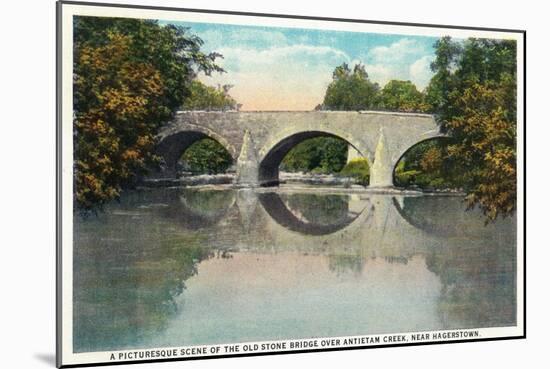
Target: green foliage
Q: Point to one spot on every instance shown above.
(355, 91)
(406, 178)
(424, 166)
(459, 66)
(474, 95)
(357, 169)
(446, 52)
(402, 96)
(204, 97)
(318, 155)
(206, 156)
(130, 76)
(351, 90)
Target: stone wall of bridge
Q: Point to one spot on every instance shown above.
(258, 141)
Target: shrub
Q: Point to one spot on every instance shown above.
(358, 169)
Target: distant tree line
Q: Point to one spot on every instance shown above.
(353, 90)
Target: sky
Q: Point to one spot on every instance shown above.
(275, 68)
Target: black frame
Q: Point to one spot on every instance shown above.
(59, 45)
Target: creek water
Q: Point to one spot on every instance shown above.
(208, 265)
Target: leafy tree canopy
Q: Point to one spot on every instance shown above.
(473, 93)
(319, 155)
(351, 90)
(203, 97)
(130, 76)
(402, 96)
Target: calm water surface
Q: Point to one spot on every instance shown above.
(174, 267)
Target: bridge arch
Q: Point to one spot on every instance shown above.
(408, 149)
(172, 145)
(274, 151)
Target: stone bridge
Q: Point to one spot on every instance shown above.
(258, 141)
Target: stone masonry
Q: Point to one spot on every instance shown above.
(259, 140)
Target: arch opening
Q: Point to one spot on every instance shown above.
(205, 156)
(310, 154)
(426, 166)
(193, 153)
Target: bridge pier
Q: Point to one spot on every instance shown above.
(353, 154)
(381, 171)
(247, 163)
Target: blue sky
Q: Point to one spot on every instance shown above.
(275, 68)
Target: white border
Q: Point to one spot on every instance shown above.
(66, 133)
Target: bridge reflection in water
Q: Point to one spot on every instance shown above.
(170, 267)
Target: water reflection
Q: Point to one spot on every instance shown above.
(198, 209)
(170, 267)
(341, 264)
(309, 214)
(478, 285)
(125, 286)
(437, 215)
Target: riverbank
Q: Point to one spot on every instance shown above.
(301, 182)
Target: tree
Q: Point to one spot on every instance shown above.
(351, 90)
(485, 146)
(320, 154)
(203, 97)
(424, 166)
(402, 96)
(474, 95)
(206, 156)
(130, 76)
(442, 83)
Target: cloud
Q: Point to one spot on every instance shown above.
(217, 38)
(291, 77)
(405, 59)
(396, 53)
(420, 71)
(270, 73)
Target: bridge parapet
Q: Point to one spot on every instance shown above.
(381, 137)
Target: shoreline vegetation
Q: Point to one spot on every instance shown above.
(131, 76)
(294, 181)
